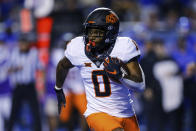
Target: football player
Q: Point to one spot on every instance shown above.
(109, 68)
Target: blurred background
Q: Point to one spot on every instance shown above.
(33, 36)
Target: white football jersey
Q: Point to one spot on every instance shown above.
(103, 95)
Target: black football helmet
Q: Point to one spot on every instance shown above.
(104, 19)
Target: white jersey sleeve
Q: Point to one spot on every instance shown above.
(125, 49)
(74, 50)
(68, 52)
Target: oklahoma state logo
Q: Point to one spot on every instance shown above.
(111, 18)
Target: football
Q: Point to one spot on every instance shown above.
(123, 68)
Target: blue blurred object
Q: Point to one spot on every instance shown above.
(2, 36)
(25, 119)
(183, 25)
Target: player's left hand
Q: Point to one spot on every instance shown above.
(61, 99)
(112, 67)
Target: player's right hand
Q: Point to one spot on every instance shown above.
(112, 67)
(61, 99)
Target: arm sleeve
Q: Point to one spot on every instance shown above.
(69, 52)
(131, 50)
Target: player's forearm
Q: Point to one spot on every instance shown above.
(135, 80)
(134, 77)
(61, 71)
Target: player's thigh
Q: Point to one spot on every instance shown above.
(66, 111)
(131, 124)
(80, 102)
(103, 122)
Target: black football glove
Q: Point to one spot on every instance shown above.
(61, 99)
(112, 67)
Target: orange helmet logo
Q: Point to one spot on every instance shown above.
(91, 22)
(111, 18)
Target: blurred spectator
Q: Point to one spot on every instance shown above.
(23, 65)
(5, 91)
(176, 5)
(35, 16)
(190, 91)
(171, 19)
(5, 8)
(183, 27)
(150, 17)
(167, 72)
(40, 8)
(10, 35)
(184, 48)
(182, 54)
(127, 10)
(152, 97)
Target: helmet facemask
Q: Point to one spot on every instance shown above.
(97, 37)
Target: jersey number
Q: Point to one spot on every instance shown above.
(106, 81)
